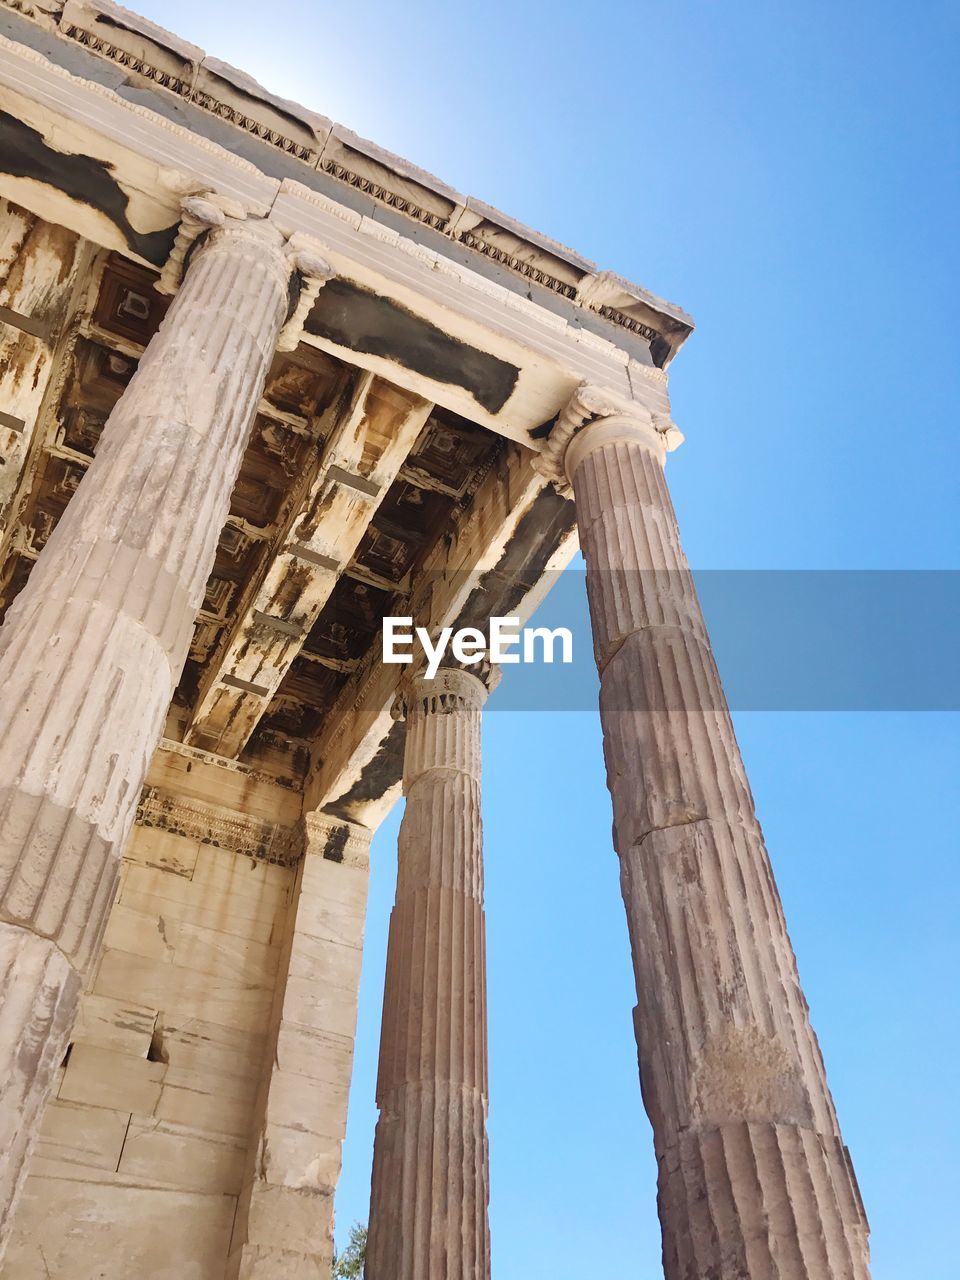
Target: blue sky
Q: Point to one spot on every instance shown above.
(788, 174)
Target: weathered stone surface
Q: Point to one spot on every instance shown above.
(294, 1153)
(106, 1078)
(428, 1204)
(195, 995)
(153, 1099)
(38, 995)
(163, 851)
(369, 442)
(266, 1264)
(83, 1135)
(754, 1179)
(176, 1155)
(93, 646)
(97, 1232)
(115, 1024)
(38, 265)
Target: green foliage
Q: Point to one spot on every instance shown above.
(349, 1264)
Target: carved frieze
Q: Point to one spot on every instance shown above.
(222, 828)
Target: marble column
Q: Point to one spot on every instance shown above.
(93, 646)
(754, 1180)
(428, 1207)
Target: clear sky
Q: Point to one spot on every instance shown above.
(788, 174)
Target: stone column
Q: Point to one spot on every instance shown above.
(754, 1179)
(428, 1205)
(92, 648)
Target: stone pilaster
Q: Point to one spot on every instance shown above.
(428, 1209)
(92, 648)
(754, 1180)
(284, 1224)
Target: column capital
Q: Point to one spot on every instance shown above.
(313, 271)
(594, 417)
(208, 213)
(199, 213)
(452, 687)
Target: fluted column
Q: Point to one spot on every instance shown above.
(428, 1207)
(92, 649)
(754, 1180)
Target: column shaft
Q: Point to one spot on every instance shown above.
(754, 1179)
(428, 1210)
(93, 647)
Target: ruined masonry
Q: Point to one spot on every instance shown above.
(263, 383)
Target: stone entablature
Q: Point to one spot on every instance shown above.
(220, 827)
(161, 61)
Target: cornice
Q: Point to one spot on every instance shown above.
(24, 53)
(107, 50)
(390, 198)
(527, 269)
(185, 87)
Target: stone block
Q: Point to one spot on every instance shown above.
(291, 1157)
(77, 1134)
(209, 1079)
(221, 871)
(330, 919)
(162, 851)
(234, 95)
(165, 57)
(115, 1024)
(335, 882)
(149, 934)
(197, 995)
(299, 1218)
(219, 896)
(315, 1053)
(174, 1154)
(311, 1004)
(191, 1044)
(326, 961)
(107, 1078)
(297, 1102)
(204, 1098)
(265, 926)
(263, 1263)
(226, 955)
(96, 1231)
(186, 774)
(210, 1112)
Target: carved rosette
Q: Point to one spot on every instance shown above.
(428, 1213)
(754, 1178)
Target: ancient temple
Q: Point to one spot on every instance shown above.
(263, 384)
